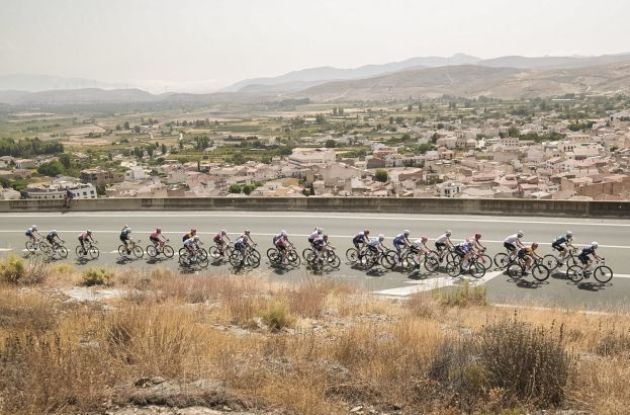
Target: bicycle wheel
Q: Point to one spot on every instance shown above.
(151, 251)
(453, 269)
(305, 253)
(94, 252)
(45, 248)
(603, 274)
(214, 252)
(79, 251)
(274, 257)
(431, 263)
(62, 251)
(551, 262)
(122, 251)
(477, 270)
(485, 261)
(253, 259)
(412, 260)
(184, 259)
(168, 251)
(333, 260)
(540, 272)
(352, 255)
(389, 259)
(254, 253)
(138, 251)
(575, 273)
(236, 259)
(294, 258)
(515, 271)
(501, 260)
(181, 251)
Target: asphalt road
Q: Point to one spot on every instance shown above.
(611, 234)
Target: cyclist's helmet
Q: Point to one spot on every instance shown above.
(158, 230)
(381, 237)
(283, 233)
(477, 236)
(325, 237)
(193, 231)
(594, 245)
(448, 232)
(569, 234)
(424, 239)
(196, 238)
(534, 245)
(366, 232)
(34, 227)
(246, 232)
(319, 231)
(53, 231)
(406, 232)
(89, 232)
(520, 234)
(223, 232)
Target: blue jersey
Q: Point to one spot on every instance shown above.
(51, 235)
(464, 246)
(560, 240)
(400, 239)
(359, 238)
(587, 251)
(30, 231)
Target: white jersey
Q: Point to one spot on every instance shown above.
(442, 239)
(512, 239)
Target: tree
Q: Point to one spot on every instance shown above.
(320, 119)
(247, 189)
(381, 176)
(330, 143)
(164, 149)
(136, 129)
(52, 169)
(234, 188)
(126, 125)
(238, 159)
(65, 160)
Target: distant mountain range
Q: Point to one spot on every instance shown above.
(459, 75)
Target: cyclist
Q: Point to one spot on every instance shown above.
(476, 243)
(243, 242)
(420, 245)
(54, 239)
(527, 254)
(189, 235)
(32, 233)
(85, 237)
(281, 242)
(192, 244)
(444, 241)
(561, 243)
(513, 243)
(586, 253)
(361, 239)
(401, 241)
(220, 240)
(315, 234)
(157, 238)
(464, 250)
(125, 237)
(375, 245)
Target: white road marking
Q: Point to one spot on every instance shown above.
(407, 218)
(6, 249)
(433, 284)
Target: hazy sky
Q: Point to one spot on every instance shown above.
(216, 42)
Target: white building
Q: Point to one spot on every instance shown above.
(79, 191)
(449, 189)
(135, 173)
(312, 155)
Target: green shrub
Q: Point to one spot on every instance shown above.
(12, 270)
(96, 276)
(462, 296)
(276, 316)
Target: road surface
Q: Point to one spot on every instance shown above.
(611, 234)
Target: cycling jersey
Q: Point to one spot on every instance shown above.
(512, 239)
(187, 236)
(218, 238)
(84, 236)
(319, 243)
(189, 243)
(374, 243)
(155, 236)
(124, 233)
(52, 235)
(359, 238)
(463, 248)
(312, 236)
(441, 239)
(527, 251)
(400, 239)
(30, 232)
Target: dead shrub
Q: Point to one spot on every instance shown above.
(421, 305)
(275, 314)
(96, 276)
(463, 295)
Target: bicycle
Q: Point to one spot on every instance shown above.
(371, 257)
(201, 250)
(475, 268)
(161, 248)
(602, 273)
(326, 257)
(35, 246)
(429, 259)
(58, 249)
(249, 257)
(222, 253)
(132, 248)
(90, 250)
(518, 269)
(553, 262)
(198, 257)
(289, 258)
(353, 254)
(503, 260)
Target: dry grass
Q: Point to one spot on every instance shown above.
(310, 348)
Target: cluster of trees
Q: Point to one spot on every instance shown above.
(28, 147)
(243, 188)
(64, 165)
